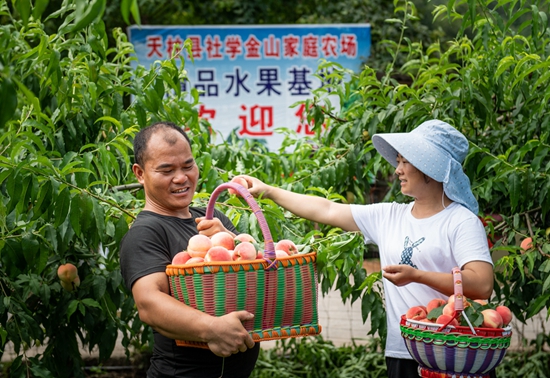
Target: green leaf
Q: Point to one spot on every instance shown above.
(62, 206)
(9, 101)
(125, 10)
(99, 286)
(85, 14)
(127, 7)
(44, 199)
(72, 308)
(39, 8)
(135, 11)
(75, 215)
(31, 248)
(24, 9)
(24, 194)
(121, 228)
(31, 98)
(89, 302)
(514, 188)
(99, 216)
(86, 211)
(537, 306)
(3, 334)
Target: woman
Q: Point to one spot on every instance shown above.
(419, 242)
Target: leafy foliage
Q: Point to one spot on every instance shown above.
(315, 357)
(71, 104)
(66, 133)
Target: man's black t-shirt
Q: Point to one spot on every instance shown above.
(149, 247)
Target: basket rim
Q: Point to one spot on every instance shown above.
(459, 329)
(238, 263)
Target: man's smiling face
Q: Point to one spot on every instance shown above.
(169, 174)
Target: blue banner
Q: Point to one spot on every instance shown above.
(250, 75)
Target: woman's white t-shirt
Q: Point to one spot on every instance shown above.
(450, 238)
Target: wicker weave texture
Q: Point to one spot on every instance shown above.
(286, 296)
(281, 293)
(456, 350)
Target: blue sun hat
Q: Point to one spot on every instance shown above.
(438, 150)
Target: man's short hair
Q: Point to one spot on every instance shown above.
(143, 136)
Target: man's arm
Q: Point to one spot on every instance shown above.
(225, 335)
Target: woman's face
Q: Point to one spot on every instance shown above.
(412, 180)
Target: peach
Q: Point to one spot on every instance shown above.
(465, 301)
(223, 239)
(244, 238)
(447, 319)
(260, 255)
(71, 286)
(481, 301)
(449, 309)
(181, 258)
(238, 180)
(435, 303)
(415, 313)
(217, 253)
(67, 272)
(505, 314)
(526, 244)
(245, 251)
(287, 245)
(195, 260)
(491, 319)
(198, 245)
(280, 253)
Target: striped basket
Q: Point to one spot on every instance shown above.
(445, 351)
(281, 293)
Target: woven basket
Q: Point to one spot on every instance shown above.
(281, 293)
(445, 351)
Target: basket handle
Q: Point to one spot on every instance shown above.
(459, 300)
(269, 252)
(459, 293)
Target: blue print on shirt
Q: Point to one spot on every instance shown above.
(406, 255)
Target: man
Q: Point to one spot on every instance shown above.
(164, 165)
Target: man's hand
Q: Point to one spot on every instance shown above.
(210, 227)
(227, 335)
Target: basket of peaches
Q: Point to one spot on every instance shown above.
(274, 280)
(457, 337)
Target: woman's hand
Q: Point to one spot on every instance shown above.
(256, 187)
(400, 275)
